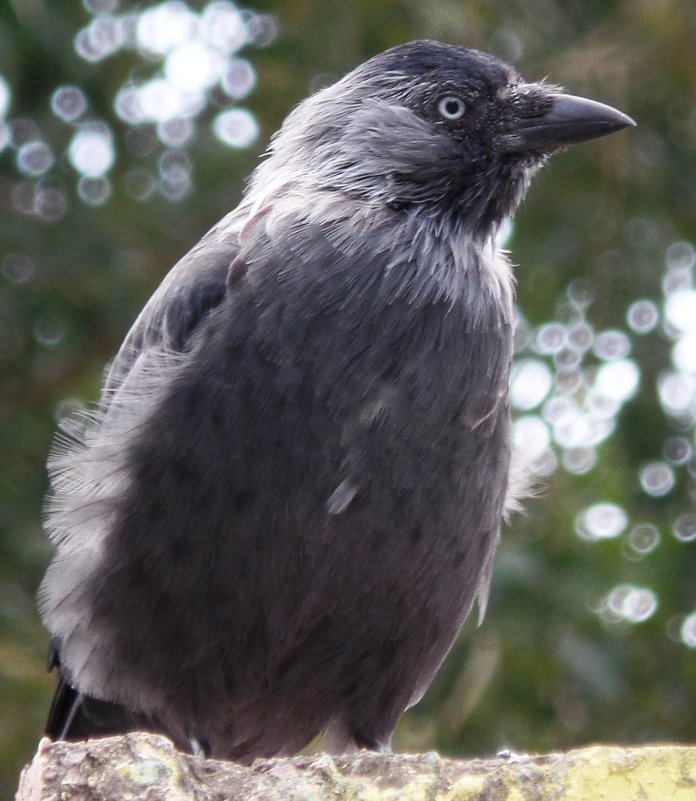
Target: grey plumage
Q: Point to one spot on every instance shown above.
(290, 495)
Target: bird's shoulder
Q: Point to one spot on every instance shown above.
(194, 287)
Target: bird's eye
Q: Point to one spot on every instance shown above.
(451, 107)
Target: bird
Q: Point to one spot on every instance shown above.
(288, 498)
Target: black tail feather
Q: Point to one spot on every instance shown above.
(75, 716)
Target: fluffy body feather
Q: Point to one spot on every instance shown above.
(290, 496)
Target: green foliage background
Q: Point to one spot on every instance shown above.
(544, 671)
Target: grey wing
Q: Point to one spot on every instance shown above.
(85, 463)
(88, 462)
(192, 289)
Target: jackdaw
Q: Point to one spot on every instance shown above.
(289, 497)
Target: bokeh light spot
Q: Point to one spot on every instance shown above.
(23, 130)
(175, 132)
(688, 630)
(238, 79)
(680, 309)
(618, 380)
(68, 103)
(91, 150)
(51, 202)
(49, 330)
(580, 336)
(18, 267)
(35, 158)
(601, 521)
(531, 435)
(677, 450)
(165, 26)
(579, 460)
(194, 66)
(657, 479)
(644, 538)
(140, 184)
(175, 174)
(94, 191)
(684, 353)
(676, 391)
(642, 316)
(684, 528)
(100, 39)
(223, 26)
(531, 383)
(630, 603)
(612, 344)
(550, 338)
(681, 256)
(236, 127)
(567, 359)
(5, 97)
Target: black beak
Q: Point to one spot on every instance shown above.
(569, 120)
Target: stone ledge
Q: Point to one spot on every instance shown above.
(145, 766)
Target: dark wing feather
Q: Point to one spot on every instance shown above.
(192, 289)
(75, 716)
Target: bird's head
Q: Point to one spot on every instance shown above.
(432, 125)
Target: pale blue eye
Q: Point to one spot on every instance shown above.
(451, 107)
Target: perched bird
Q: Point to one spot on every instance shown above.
(290, 495)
